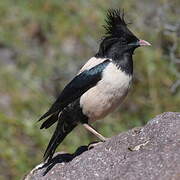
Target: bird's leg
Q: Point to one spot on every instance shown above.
(92, 130)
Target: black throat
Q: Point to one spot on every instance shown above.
(125, 63)
(119, 52)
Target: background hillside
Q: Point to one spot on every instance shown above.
(43, 43)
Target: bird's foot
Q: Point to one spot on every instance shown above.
(93, 144)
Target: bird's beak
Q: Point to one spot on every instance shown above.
(144, 43)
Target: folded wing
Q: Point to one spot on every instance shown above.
(78, 86)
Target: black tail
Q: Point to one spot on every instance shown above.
(62, 130)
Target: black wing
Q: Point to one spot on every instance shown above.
(78, 86)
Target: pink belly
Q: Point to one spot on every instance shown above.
(96, 105)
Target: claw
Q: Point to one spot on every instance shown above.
(93, 144)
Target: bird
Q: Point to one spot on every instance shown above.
(99, 87)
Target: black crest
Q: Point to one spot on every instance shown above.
(115, 24)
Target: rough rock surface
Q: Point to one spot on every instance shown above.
(151, 152)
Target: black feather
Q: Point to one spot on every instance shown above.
(116, 26)
(53, 109)
(62, 130)
(115, 22)
(50, 121)
(68, 120)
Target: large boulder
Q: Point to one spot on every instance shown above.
(151, 152)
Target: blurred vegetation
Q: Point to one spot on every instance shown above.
(43, 43)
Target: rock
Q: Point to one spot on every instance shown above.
(151, 152)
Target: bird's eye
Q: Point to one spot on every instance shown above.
(123, 41)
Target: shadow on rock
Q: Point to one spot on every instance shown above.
(62, 157)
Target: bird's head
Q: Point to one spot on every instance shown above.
(118, 39)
